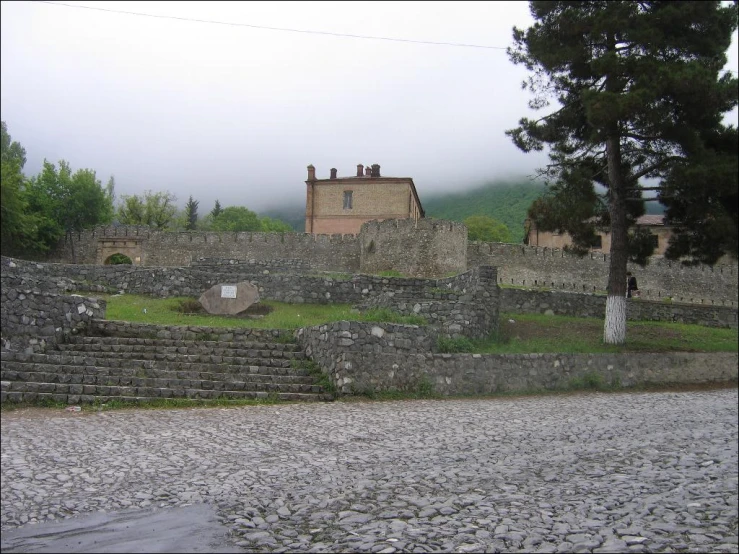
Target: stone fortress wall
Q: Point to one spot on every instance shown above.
(554, 269)
(434, 249)
(176, 249)
(428, 247)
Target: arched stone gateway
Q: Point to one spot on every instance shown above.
(118, 259)
(128, 246)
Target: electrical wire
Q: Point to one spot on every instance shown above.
(213, 22)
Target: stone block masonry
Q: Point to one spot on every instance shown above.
(475, 374)
(519, 301)
(366, 357)
(446, 301)
(30, 319)
(167, 249)
(661, 279)
(437, 251)
(423, 248)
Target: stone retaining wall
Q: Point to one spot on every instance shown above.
(463, 305)
(441, 301)
(474, 374)
(29, 320)
(329, 344)
(373, 357)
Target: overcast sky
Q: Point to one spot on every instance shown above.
(236, 113)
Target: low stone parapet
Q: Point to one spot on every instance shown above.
(479, 374)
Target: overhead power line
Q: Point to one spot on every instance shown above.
(326, 33)
(231, 24)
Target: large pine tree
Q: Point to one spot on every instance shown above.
(641, 95)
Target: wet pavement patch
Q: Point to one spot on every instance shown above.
(192, 528)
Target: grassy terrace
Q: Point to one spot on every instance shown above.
(519, 333)
(168, 311)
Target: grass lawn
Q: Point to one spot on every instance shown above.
(527, 333)
(542, 333)
(163, 311)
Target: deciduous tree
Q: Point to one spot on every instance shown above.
(66, 202)
(641, 95)
(236, 218)
(15, 226)
(153, 209)
(486, 229)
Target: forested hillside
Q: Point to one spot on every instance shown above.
(506, 202)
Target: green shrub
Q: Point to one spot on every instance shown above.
(452, 346)
(589, 381)
(386, 315)
(188, 306)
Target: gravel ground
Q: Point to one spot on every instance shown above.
(636, 472)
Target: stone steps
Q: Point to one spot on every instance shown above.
(13, 371)
(28, 396)
(131, 368)
(210, 344)
(136, 367)
(155, 387)
(185, 350)
(172, 362)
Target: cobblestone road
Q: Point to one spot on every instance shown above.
(646, 472)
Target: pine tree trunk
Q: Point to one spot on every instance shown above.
(614, 327)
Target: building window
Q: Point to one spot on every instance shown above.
(655, 240)
(347, 200)
(598, 242)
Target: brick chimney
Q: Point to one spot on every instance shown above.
(367, 171)
(375, 170)
(311, 173)
(360, 170)
(333, 173)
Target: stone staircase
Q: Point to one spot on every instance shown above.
(87, 369)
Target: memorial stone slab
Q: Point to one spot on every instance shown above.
(229, 299)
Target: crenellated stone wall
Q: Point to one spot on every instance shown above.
(423, 248)
(533, 266)
(398, 245)
(167, 249)
(520, 301)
